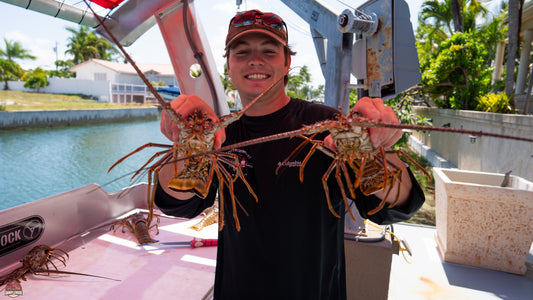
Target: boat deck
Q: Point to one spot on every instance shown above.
(170, 272)
(142, 272)
(429, 277)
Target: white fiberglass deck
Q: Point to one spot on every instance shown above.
(165, 272)
(429, 277)
(145, 272)
(78, 222)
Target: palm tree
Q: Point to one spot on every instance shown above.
(436, 24)
(457, 15)
(85, 45)
(514, 19)
(495, 32)
(472, 12)
(106, 50)
(437, 15)
(14, 51)
(80, 45)
(298, 85)
(226, 81)
(9, 70)
(447, 17)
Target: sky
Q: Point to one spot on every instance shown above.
(40, 33)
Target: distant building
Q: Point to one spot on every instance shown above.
(125, 84)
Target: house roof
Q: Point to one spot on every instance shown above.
(162, 69)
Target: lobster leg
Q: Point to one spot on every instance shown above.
(383, 201)
(398, 177)
(221, 210)
(229, 181)
(402, 153)
(338, 176)
(385, 169)
(361, 172)
(223, 180)
(166, 154)
(306, 159)
(326, 188)
(239, 174)
(351, 187)
(147, 145)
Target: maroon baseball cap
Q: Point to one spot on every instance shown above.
(256, 21)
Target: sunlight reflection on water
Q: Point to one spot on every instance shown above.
(38, 163)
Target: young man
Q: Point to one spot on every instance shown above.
(290, 245)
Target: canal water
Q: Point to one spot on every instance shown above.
(38, 163)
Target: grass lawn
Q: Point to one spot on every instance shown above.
(16, 101)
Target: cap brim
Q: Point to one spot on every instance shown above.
(257, 30)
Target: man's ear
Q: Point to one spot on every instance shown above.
(287, 67)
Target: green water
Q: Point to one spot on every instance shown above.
(38, 163)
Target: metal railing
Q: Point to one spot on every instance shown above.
(130, 93)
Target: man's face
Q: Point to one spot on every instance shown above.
(254, 63)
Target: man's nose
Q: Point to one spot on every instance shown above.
(256, 60)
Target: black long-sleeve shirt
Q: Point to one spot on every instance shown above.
(290, 245)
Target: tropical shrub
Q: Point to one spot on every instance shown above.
(496, 103)
(403, 107)
(458, 75)
(36, 79)
(9, 70)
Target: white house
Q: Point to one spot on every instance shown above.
(108, 81)
(125, 84)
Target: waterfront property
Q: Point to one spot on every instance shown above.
(126, 85)
(108, 81)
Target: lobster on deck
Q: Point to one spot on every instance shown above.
(137, 225)
(37, 262)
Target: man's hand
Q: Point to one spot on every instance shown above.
(185, 105)
(375, 110)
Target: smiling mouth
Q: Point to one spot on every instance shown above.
(257, 76)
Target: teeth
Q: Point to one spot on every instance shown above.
(257, 76)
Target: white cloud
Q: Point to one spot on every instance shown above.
(41, 48)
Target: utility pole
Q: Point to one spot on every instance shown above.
(55, 50)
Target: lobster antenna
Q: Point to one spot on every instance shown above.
(343, 102)
(172, 114)
(266, 91)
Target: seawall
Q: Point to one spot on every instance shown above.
(49, 118)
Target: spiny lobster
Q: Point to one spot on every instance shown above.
(210, 216)
(354, 152)
(139, 226)
(36, 262)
